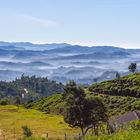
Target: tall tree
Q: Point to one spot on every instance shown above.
(132, 67)
(81, 111)
(98, 112)
(95, 80)
(17, 100)
(117, 75)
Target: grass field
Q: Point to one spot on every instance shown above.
(13, 118)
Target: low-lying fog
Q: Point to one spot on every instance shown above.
(62, 66)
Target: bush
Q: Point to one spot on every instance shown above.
(124, 135)
(26, 131)
(4, 101)
(135, 125)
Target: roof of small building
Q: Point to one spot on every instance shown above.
(125, 118)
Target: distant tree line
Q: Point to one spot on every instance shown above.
(35, 87)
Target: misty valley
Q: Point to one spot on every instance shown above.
(64, 62)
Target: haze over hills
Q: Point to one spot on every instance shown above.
(63, 62)
(31, 46)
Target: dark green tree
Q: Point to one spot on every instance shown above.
(95, 80)
(4, 101)
(99, 114)
(82, 112)
(132, 67)
(117, 75)
(17, 100)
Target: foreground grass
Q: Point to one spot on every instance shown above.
(125, 132)
(124, 135)
(13, 118)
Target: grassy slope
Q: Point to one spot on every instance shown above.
(123, 135)
(124, 86)
(12, 118)
(53, 104)
(116, 104)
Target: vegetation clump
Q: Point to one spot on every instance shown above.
(26, 131)
(4, 101)
(132, 67)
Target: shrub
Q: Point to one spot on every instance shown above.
(135, 125)
(26, 131)
(4, 101)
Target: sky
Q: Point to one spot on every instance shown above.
(83, 22)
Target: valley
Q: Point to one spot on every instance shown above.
(33, 82)
(64, 62)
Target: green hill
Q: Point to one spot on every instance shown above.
(124, 86)
(119, 95)
(55, 104)
(36, 87)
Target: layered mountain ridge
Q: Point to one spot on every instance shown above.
(63, 62)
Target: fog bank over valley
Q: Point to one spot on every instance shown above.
(64, 62)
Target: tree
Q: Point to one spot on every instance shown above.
(4, 101)
(132, 67)
(118, 75)
(17, 100)
(81, 111)
(98, 112)
(95, 80)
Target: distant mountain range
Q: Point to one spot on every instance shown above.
(63, 62)
(31, 46)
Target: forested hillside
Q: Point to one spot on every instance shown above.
(32, 87)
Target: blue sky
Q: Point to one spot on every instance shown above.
(84, 22)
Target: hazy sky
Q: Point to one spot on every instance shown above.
(85, 22)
